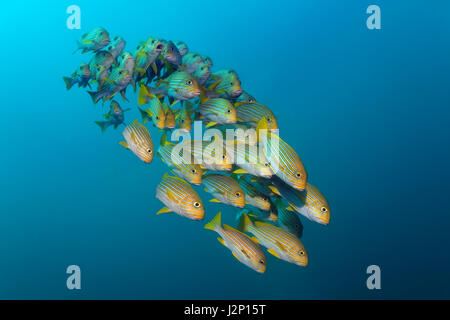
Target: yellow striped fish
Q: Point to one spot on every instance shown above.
(183, 120)
(170, 117)
(280, 243)
(249, 159)
(178, 196)
(285, 161)
(224, 189)
(243, 248)
(184, 169)
(139, 141)
(252, 196)
(256, 114)
(155, 112)
(310, 203)
(208, 155)
(226, 83)
(218, 110)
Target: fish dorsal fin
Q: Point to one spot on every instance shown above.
(214, 200)
(227, 227)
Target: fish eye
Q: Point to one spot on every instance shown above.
(261, 261)
(194, 171)
(189, 82)
(251, 100)
(301, 253)
(229, 111)
(196, 204)
(182, 120)
(298, 175)
(224, 157)
(266, 164)
(149, 150)
(231, 83)
(269, 119)
(323, 209)
(157, 118)
(238, 194)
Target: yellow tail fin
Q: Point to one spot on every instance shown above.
(214, 223)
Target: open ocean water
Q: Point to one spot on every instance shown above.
(367, 111)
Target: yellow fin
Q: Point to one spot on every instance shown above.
(214, 223)
(155, 69)
(221, 241)
(240, 171)
(210, 124)
(143, 94)
(123, 144)
(214, 200)
(274, 190)
(227, 227)
(272, 252)
(290, 209)
(235, 256)
(164, 210)
(255, 239)
(171, 196)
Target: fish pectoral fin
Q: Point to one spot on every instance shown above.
(272, 252)
(154, 68)
(210, 124)
(214, 200)
(274, 190)
(123, 144)
(234, 254)
(290, 209)
(171, 196)
(240, 171)
(221, 241)
(164, 210)
(255, 239)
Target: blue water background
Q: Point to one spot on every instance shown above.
(367, 110)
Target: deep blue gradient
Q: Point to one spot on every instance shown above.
(368, 112)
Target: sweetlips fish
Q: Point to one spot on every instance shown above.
(178, 196)
(256, 115)
(244, 249)
(116, 46)
(217, 110)
(310, 203)
(114, 117)
(202, 73)
(179, 85)
(245, 97)
(209, 155)
(93, 40)
(288, 219)
(146, 54)
(139, 141)
(118, 80)
(191, 61)
(184, 169)
(155, 112)
(127, 61)
(285, 161)
(279, 242)
(252, 196)
(224, 189)
(183, 119)
(81, 76)
(226, 83)
(171, 54)
(182, 47)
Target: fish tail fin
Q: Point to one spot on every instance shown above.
(143, 94)
(93, 95)
(68, 82)
(214, 224)
(244, 223)
(103, 125)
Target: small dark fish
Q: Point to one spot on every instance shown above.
(115, 117)
(81, 76)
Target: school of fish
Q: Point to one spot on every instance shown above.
(176, 87)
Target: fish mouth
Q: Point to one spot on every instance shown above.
(160, 47)
(235, 94)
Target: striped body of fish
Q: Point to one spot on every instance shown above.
(253, 197)
(116, 46)
(182, 86)
(94, 40)
(288, 219)
(182, 47)
(250, 159)
(279, 242)
(209, 155)
(285, 161)
(183, 120)
(119, 79)
(218, 110)
(178, 196)
(170, 117)
(184, 168)
(202, 73)
(102, 58)
(191, 61)
(139, 141)
(245, 97)
(127, 62)
(155, 112)
(226, 82)
(310, 203)
(146, 54)
(244, 249)
(256, 114)
(224, 189)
